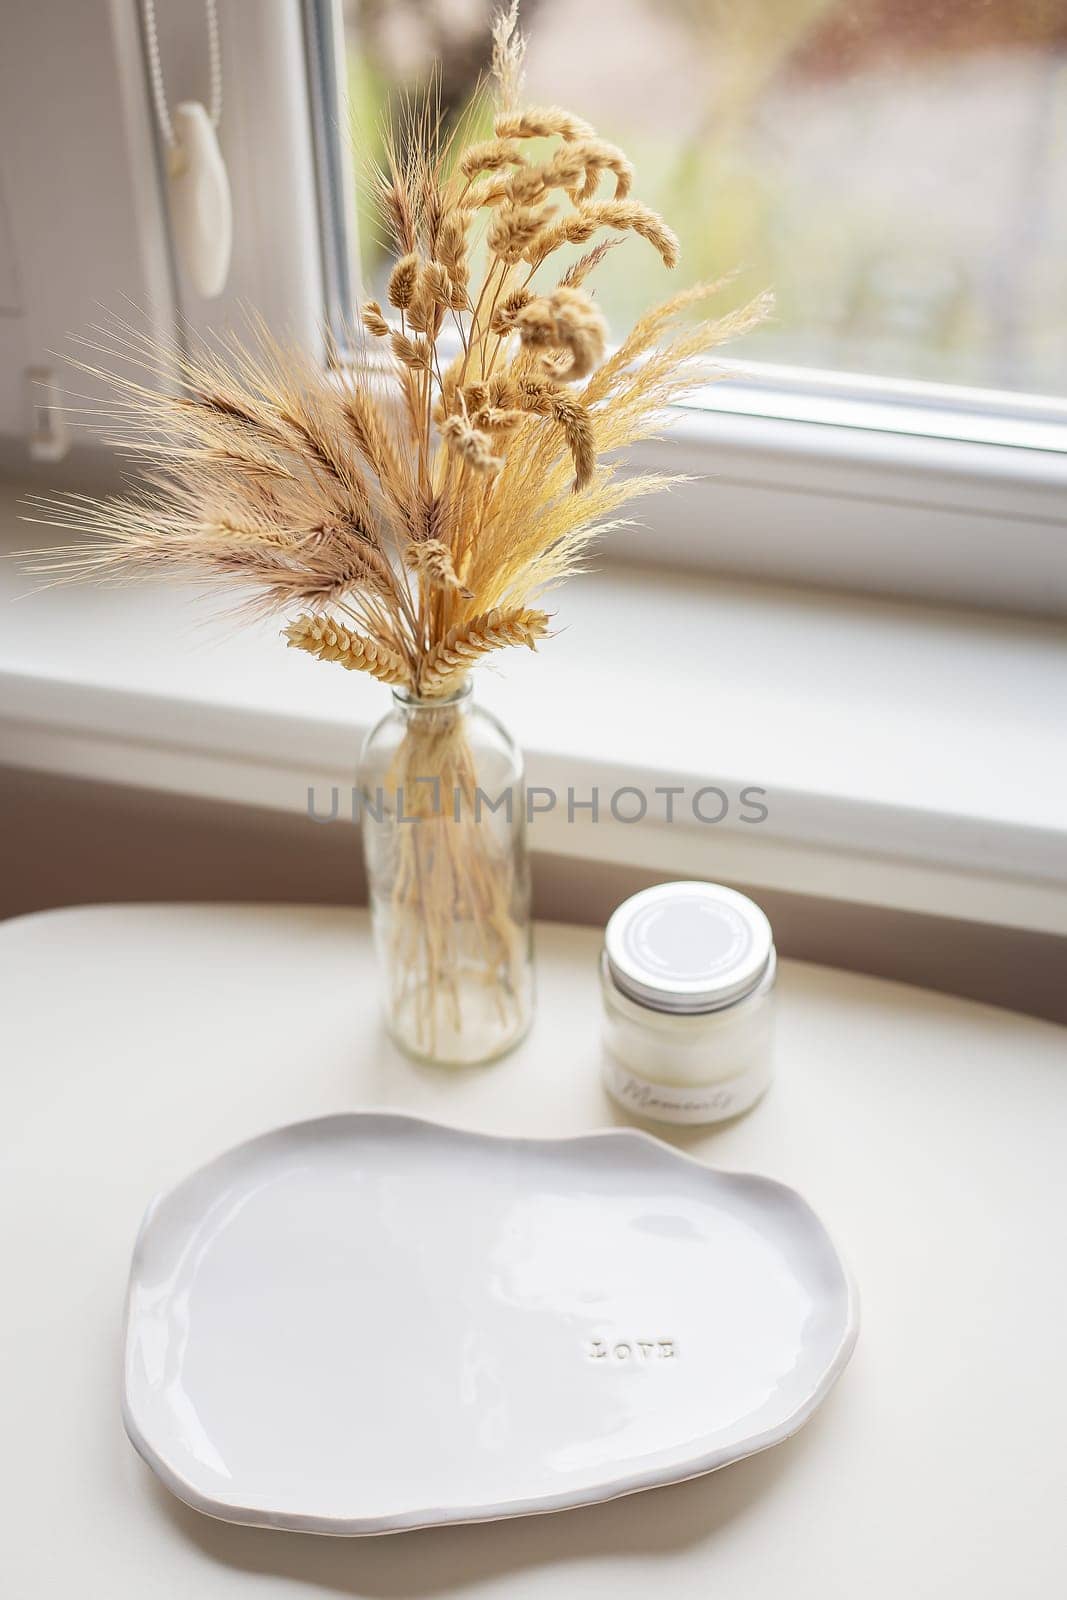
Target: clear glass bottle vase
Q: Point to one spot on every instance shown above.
(442, 807)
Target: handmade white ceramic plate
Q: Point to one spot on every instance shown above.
(370, 1322)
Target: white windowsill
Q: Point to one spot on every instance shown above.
(880, 405)
(910, 754)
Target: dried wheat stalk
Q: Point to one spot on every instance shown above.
(467, 642)
(326, 639)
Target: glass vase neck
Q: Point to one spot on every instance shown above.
(414, 705)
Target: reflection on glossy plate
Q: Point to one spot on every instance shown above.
(371, 1322)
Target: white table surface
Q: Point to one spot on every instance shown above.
(929, 1133)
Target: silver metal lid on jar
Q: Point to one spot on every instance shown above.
(688, 947)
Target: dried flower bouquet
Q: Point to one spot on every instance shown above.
(414, 505)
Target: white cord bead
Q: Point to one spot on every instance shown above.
(155, 70)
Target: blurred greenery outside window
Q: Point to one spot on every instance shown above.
(895, 170)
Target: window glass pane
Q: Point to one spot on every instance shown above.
(896, 170)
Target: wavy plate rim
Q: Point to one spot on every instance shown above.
(411, 1519)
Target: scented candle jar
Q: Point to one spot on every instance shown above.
(688, 974)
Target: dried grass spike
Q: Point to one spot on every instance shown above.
(631, 216)
(326, 639)
(576, 228)
(504, 316)
(601, 157)
(468, 642)
(567, 169)
(626, 216)
(475, 395)
(431, 559)
(509, 49)
(514, 230)
(546, 399)
(579, 270)
(452, 249)
(374, 439)
(542, 122)
(577, 427)
(437, 285)
(502, 389)
(470, 444)
(568, 321)
(498, 420)
(413, 353)
(492, 192)
(403, 282)
(373, 320)
(394, 200)
(490, 156)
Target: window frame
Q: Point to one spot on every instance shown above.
(929, 491)
(842, 505)
(872, 485)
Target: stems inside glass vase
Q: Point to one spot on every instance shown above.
(444, 834)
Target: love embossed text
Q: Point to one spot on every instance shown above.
(638, 1350)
